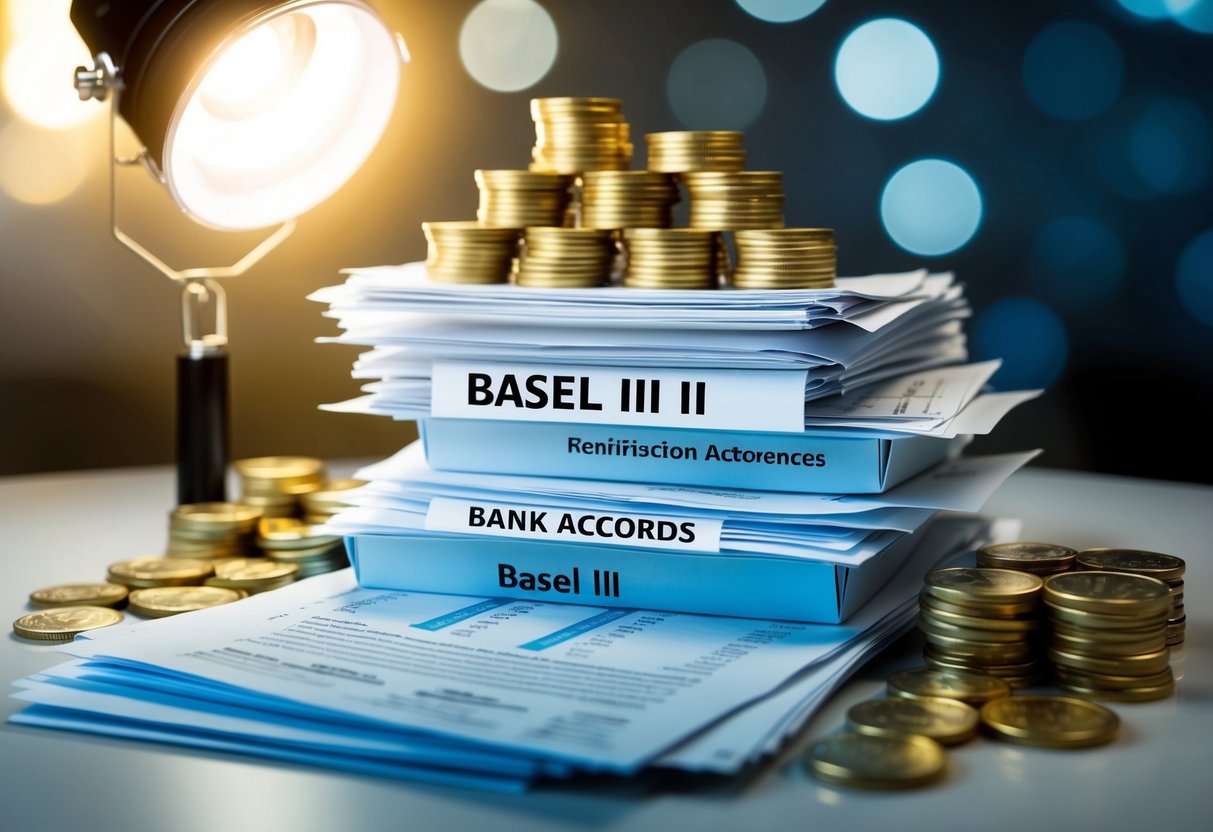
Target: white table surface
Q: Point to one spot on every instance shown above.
(1158, 775)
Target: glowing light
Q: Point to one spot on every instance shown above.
(887, 69)
(931, 207)
(312, 108)
(36, 74)
(508, 45)
(780, 11)
(39, 167)
(1073, 70)
(1194, 278)
(1169, 146)
(1029, 338)
(1196, 15)
(1078, 262)
(1149, 9)
(716, 84)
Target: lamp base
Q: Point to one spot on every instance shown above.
(202, 426)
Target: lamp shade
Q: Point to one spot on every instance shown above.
(252, 112)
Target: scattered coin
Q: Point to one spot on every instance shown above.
(947, 721)
(872, 762)
(158, 571)
(972, 688)
(1050, 721)
(79, 595)
(162, 601)
(64, 623)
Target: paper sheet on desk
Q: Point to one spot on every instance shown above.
(473, 691)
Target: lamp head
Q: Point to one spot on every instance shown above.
(252, 112)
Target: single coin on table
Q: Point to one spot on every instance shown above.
(1050, 721)
(63, 623)
(163, 601)
(869, 762)
(973, 688)
(947, 721)
(79, 595)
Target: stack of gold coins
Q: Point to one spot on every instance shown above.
(212, 530)
(275, 483)
(319, 506)
(684, 151)
(738, 200)
(573, 135)
(1166, 568)
(139, 573)
(287, 540)
(1041, 559)
(163, 601)
(785, 258)
(1109, 635)
(468, 252)
(522, 198)
(252, 575)
(982, 620)
(562, 258)
(670, 258)
(616, 199)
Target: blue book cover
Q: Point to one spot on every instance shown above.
(826, 461)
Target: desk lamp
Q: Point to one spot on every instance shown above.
(250, 113)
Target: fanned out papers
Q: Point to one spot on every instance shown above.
(474, 691)
(392, 290)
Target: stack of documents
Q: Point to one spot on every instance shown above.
(475, 691)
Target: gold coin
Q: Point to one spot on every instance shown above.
(987, 610)
(966, 650)
(1108, 593)
(163, 601)
(211, 517)
(279, 467)
(158, 571)
(1098, 621)
(79, 595)
(971, 621)
(1144, 693)
(63, 623)
(1137, 664)
(1003, 670)
(1029, 556)
(965, 585)
(931, 682)
(1091, 645)
(947, 721)
(290, 533)
(1137, 561)
(1050, 721)
(1112, 681)
(252, 569)
(935, 627)
(872, 762)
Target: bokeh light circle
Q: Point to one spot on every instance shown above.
(36, 75)
(931, 207)
(1073, 70)
(1149, 9)
(1170, 146)
(716, 84)
(1196, 15)
(780, 11)
(1030, 339)
(508, 45)
(886, 69)
(39, 167)
(1194, 278)
(1078, 262)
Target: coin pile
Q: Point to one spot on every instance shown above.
(287, 540)
(468, 252)
(616, 199)
(983, 620)
(1109, 635)
(275, 483)
(670, 258)
(735, 200)
(1166, 568)
(785, 258)
(563, 258)
(212, 530)
(1041, 559)
(573, 135)
(522, 198)
(252, 575)
(319, 506)
(684, 151)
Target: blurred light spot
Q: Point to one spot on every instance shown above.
(1073, 70)
(1029, 338)
(1078, 262)
(1194, 278)
(780, 11)
(716, 84)
(1149, 9)
(508, 45)
(36, 73)
(886, 69)
(1196, 15)
(931, 207)
(1169, 146)
(38, 166)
